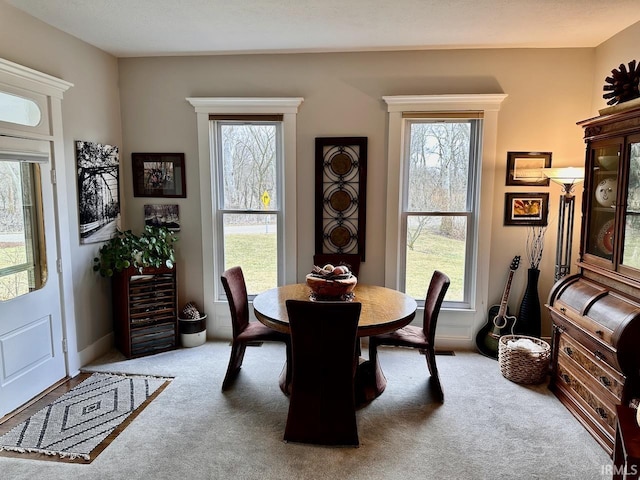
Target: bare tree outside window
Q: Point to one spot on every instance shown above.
(438, 202)
(249, 199)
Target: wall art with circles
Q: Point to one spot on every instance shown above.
(341, 192)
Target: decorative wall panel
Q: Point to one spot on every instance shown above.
(341, 192)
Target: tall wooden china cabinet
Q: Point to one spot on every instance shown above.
(596, 313)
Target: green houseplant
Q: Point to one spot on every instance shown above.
(153, 248)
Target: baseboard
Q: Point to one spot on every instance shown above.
(96, 350)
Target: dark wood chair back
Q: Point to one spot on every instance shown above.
(236, 290)
(438, 287)
(351, 260)
(323, 342)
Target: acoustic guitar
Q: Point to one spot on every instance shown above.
(499, 322)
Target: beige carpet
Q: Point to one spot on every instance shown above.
(487, 428)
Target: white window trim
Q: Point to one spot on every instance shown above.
(489, 105)
(205, 106)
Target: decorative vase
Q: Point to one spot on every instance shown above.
(528, 320)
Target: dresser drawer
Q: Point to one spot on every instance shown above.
(602, 373)
(598, 409)
(599, 349)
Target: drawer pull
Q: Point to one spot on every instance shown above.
(563, 310)
(605, 381)
(599, 355)
(566, 378)
(601, 411)
(568, 351)
(600, 333)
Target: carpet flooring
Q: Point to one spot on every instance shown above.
(487, 427)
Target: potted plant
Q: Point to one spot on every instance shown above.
(153, 248)
(193, 326)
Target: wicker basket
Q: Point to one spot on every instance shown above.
(520, 365)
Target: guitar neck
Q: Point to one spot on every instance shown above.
(505, 296)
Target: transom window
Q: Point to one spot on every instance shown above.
(19, 110)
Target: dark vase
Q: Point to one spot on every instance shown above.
(528, 320)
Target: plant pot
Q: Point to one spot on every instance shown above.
(193, 331)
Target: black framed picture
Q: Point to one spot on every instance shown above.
(525, 168)
(526, 209)
(159, 175)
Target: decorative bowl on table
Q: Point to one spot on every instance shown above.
(331, 283)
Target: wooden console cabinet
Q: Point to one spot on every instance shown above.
(145, 311)
(596, 313)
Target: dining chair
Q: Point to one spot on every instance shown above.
(245, 331)
(322, 404)
(351, 260)
(422, 338)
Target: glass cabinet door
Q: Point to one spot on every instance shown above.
(631, 246)
(602, 202)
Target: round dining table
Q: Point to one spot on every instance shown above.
(383, 310)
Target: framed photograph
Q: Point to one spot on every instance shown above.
(526, 209)
(162, 216)
(159, 175)
(524, 168)
(98, 168)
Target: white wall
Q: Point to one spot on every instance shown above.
(91, 111)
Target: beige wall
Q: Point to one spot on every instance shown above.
(91, 111)
(342, 95)
(549, 91)
(619, 49)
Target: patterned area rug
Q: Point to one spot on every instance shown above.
(78, 422)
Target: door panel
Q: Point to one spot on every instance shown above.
(31, 353)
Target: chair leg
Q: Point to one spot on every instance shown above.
(373, 351)
(235, 362)
(430, 354)
(285, 375)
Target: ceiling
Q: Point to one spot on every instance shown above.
(129, 28)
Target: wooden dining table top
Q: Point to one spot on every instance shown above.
(383, 309)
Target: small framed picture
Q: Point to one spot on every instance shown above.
(526, 209)
(525, 168)
(162, 216)
(158, 175)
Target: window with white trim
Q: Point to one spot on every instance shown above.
(248, 208)
(441, 161)
(439, 207)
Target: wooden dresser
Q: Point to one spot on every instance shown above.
(145, 311)
(596, 314)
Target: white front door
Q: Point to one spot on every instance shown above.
(31, 334)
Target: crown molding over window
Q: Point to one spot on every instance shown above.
(252, 105)
(434, 103)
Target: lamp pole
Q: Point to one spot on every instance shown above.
(565, 231)
(567, 177)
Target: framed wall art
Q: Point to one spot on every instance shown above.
(526, 209)
(98, 168)
(158, 175)
(341, 192)
(162, 216)
(524, 168)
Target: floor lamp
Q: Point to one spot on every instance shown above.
(568, 177)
